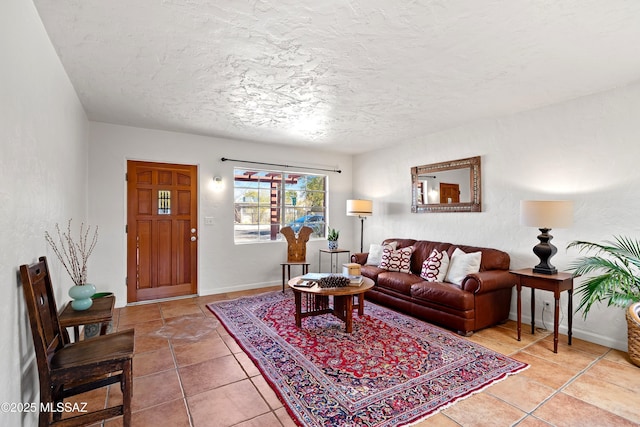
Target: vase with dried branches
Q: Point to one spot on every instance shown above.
(74, 256)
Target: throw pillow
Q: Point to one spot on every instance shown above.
(399, 260)
(462, 264)
(375, 253)
(434, 268)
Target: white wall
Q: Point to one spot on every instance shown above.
(223, 266)
(43, 160)
(585, 150)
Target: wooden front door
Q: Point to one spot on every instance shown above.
(449, 193)
(162, 247)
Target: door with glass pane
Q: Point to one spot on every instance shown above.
(161, 230)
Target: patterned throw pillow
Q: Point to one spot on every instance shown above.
(375, 252)
(399, 260)
(462, 264)
(434, 268)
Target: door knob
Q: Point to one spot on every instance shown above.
(193, 231)
(193, 238)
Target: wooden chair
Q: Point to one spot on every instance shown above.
(296, 250)
(66, 369)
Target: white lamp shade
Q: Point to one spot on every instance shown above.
(546, 213)
(359, 207)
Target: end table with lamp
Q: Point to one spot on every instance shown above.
(545, 215)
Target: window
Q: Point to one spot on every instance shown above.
(265, 201)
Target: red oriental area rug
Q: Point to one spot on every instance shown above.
(393, 370)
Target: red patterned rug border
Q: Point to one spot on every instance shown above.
(415, 420)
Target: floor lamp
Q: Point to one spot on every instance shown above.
(361, 209)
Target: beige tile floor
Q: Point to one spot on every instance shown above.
(207, 380)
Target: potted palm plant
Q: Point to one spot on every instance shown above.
(332, 237)
(616, 281)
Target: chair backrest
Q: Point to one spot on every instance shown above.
(297, 243)
(43, 314)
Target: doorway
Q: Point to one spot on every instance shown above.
(449, 193)
(162, 220)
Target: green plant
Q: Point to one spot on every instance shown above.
(333, 234)
(618, 265)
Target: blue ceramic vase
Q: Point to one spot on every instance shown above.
(81, 296)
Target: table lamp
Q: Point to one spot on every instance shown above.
(545, 215)
(361, 209)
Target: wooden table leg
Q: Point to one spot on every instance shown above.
(570, 313)
(348, 318)
(519, 305)
(283, 278)
(556, 320)
(298, 299)
(533, 311)
(360, 304)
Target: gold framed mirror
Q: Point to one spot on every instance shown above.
(452, 186)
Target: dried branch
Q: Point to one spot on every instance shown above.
(74, 255)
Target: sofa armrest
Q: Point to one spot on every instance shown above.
(360, 257)
(488, 281)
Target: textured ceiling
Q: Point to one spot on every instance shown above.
(345, 75)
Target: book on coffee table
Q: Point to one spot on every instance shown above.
(305, 284)
(315, 276)
(355, 280)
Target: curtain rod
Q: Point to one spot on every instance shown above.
(224, 159)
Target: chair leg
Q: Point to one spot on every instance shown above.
(127, 392)
(43, 419)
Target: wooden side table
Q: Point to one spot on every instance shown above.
(331, 252)
(101, 311)
(555, 283)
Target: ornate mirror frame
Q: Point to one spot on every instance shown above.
(474, 205)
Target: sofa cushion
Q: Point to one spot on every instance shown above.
(462, 264)
(492, 259)
(396, 260)
(371, 271)
(434, 268)
(422, 250)
(446, 294)
(398, 282)
(375, 252)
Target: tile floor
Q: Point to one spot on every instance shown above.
(207, 380)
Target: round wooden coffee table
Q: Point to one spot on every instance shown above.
(316, 301)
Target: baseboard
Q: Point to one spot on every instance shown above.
(240, 287)
(576, 333)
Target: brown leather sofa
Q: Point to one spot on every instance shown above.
(483, 299)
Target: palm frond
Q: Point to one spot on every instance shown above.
(617, 268)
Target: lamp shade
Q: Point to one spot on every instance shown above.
(546, 213)
(359, 207)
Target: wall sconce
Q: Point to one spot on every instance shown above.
(216, 183)
(546, 215)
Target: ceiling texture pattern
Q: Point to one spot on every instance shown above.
(343, 75)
